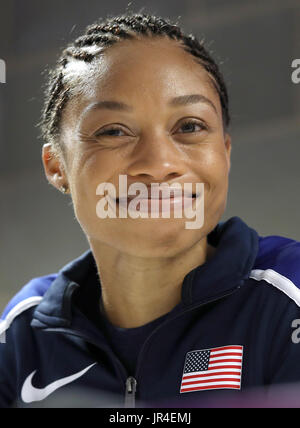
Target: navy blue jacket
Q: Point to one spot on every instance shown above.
(235, 328)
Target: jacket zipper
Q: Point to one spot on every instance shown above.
(131, 384)
(131, 381)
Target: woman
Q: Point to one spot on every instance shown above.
(153, 311)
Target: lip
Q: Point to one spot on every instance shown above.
(173, 197)
(156, 205)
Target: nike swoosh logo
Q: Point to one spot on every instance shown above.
(29, 393)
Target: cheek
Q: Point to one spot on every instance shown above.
(88, 171)
(216, 196)
(211, 166)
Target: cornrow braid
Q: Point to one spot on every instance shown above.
(100, 36)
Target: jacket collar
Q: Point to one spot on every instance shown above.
(236, 250)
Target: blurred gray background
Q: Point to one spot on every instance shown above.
(255, 41)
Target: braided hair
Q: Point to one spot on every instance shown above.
(97, 38)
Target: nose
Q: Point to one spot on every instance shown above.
(157, 157)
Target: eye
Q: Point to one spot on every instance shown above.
(112, 131)
(190, 125)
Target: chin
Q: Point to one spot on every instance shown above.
(163, 241)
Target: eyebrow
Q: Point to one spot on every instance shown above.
(184, 100)
(181, 100)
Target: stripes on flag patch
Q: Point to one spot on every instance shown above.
(216, 368)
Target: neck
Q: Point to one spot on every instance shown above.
(137, 290)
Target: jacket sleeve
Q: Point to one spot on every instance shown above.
(284, 358)
(15, 333)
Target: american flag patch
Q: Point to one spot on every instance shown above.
(215, 368)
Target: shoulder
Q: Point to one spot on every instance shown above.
(278, 264)
(29, 295)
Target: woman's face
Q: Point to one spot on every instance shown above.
(150, 143)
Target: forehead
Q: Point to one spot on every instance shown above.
(143, 70)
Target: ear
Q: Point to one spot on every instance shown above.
(228, 149)
(54, 166)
